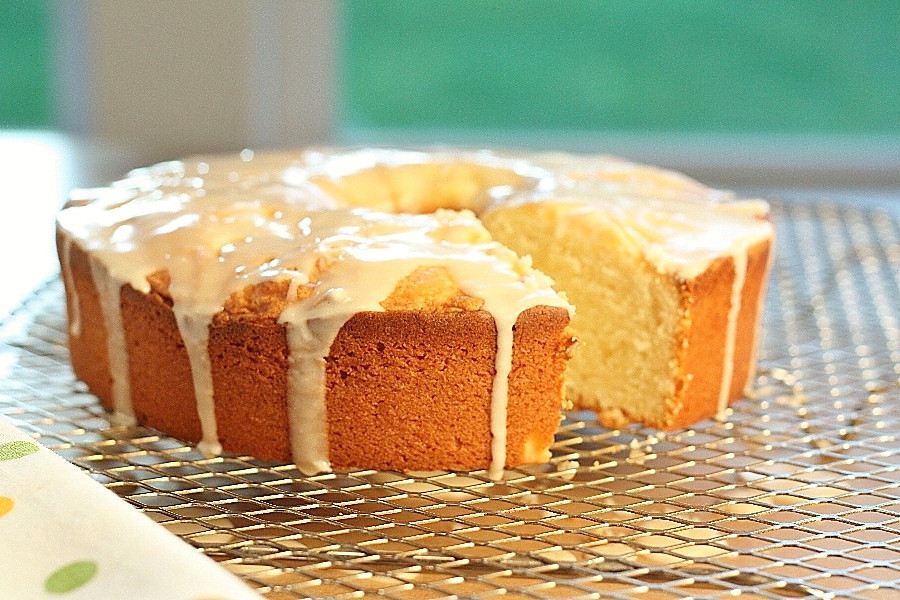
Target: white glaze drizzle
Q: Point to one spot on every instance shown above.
(734, 310)
(109, 291)
(500, 396)
(757, 326)
(65, 262)
(306, 396)
(194, 330)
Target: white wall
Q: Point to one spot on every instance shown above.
(168, 78)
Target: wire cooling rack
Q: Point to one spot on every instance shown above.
(796, 495)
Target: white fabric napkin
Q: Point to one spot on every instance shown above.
(63, 535)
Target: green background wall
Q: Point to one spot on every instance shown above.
(25, 76)
(710, 66)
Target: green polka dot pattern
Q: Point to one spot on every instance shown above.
(17, 449)
(70, 577)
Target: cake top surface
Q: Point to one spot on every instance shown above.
(218, 225)
(332, 221)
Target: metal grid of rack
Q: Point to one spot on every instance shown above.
(796, 494)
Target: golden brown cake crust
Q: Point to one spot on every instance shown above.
(162, 390)
(542, 346)
(749, 319)
(706, 302)
(249, 370)
(411, 390)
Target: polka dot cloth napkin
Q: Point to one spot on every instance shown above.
(63, 535)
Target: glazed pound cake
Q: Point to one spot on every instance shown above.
(366, 308)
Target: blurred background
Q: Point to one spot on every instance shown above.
(743, 92)
(761, 95)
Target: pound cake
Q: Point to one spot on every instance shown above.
(379, 308)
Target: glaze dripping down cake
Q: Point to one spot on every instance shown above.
(380, 308)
